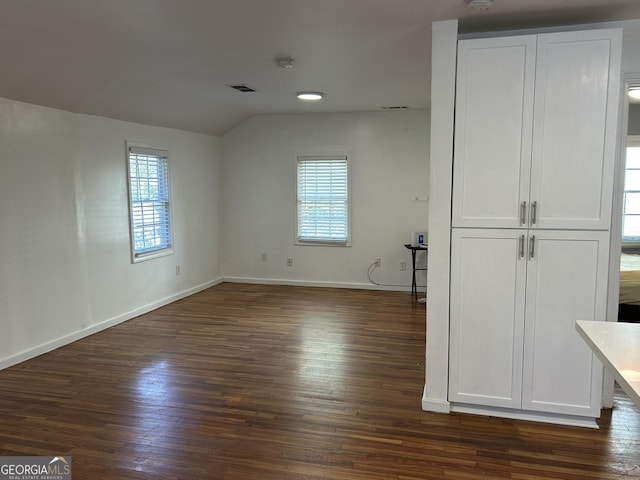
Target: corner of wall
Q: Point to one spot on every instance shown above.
(445, 37)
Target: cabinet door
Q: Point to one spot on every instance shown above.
(574, 134)
(492, 146)
(566, 281)
(487, 314)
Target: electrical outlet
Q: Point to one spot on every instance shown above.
(263, 257)
(289, 262)
(177, 270)
(377, 262)
(403, 265)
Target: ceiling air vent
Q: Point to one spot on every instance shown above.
(242, 88)
(395, 107)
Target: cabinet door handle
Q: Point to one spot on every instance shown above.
(532, 246)
(521, 247)
(523, 212)
(534, 211)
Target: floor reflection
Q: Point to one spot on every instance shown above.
(322, 356)
(154, 383)
(155, 391)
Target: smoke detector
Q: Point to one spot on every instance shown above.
(479, 4)
(284, 62)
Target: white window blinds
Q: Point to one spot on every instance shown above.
(323, 200)
(149, 201)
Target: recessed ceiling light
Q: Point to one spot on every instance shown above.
(634, 92)
(479, 4)
(312, 96)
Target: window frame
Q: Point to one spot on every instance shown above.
(164, 250)
(340, 155)
(628, 241)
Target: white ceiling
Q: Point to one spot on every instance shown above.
(169, 62)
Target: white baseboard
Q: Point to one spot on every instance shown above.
(434, 405)
(308, 283)
(85, 332)
(570, 420)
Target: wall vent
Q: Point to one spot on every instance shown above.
(395, 107)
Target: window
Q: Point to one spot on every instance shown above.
(323, 200)
(631, 205)
(149, 202)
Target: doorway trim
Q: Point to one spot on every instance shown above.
(615, 243)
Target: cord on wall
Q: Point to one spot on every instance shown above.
(372, 268)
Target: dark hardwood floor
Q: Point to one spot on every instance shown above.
(275, 382)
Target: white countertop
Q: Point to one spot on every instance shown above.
(617, 346)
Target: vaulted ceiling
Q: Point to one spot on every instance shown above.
(170, 62)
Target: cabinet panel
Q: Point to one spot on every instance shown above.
(566, 281)
(575, 115)
(492, 149)
(487, 314)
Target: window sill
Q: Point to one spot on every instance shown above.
(151, 255)
(321, 243)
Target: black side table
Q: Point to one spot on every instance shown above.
(414, 250)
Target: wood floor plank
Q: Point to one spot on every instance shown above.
(280, 382)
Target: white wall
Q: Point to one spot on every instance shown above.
(389, 169)
(64, 233)
(443, 68)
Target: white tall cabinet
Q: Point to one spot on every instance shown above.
(534, 153)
